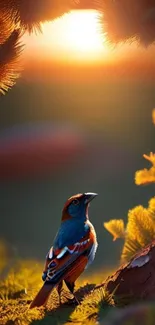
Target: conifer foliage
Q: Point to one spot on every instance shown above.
(146, 176)
(139, 231)
(140, 228)
(17, 17)
(121, 20)
(128, 20)
(9, 61)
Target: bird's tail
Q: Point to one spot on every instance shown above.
(43, 295)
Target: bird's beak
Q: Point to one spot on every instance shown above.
(89, 197)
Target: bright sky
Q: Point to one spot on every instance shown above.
(76, 36)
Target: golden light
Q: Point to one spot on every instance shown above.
(153, 116)
(75, 36)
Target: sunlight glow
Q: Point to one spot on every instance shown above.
(75, 36)
(81, 31)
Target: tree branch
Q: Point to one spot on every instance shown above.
(9, 61)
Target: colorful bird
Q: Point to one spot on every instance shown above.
(73, 249)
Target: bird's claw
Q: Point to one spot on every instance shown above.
(73, 300)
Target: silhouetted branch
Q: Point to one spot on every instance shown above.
(6, 27)
(23, 15)
(28, 14)
(9, 61)
(121, 20)
(128, 19)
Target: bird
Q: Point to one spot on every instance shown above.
(73, 249)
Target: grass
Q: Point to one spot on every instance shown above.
(92, 308)
(20, 283)
(17, 288)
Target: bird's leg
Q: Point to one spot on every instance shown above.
(71, 286)
(59, 289)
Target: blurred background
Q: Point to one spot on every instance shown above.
(78, 120)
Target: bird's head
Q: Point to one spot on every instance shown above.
(77, 206)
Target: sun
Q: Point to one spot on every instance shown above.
(82, 32)
(75, 36)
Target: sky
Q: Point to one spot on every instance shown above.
(67, 40)
(78, 120)
(67, 50)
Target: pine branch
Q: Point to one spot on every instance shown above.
(141, 226)
(6, 27)
(139, 231)
(131, 247)
(124, 20)
(116, 228)
(29, 14)
(9, 61)
(23, 15)
(146, 176)
(151, 208)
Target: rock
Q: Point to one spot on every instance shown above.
(136, 279)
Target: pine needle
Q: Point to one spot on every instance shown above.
(28, 15)
(10, 67)
(127, 20)
(146, 176)
(116, 228)
(151, 208)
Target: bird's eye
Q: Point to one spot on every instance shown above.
(75, 202)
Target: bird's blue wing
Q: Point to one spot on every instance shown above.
(70, 232)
